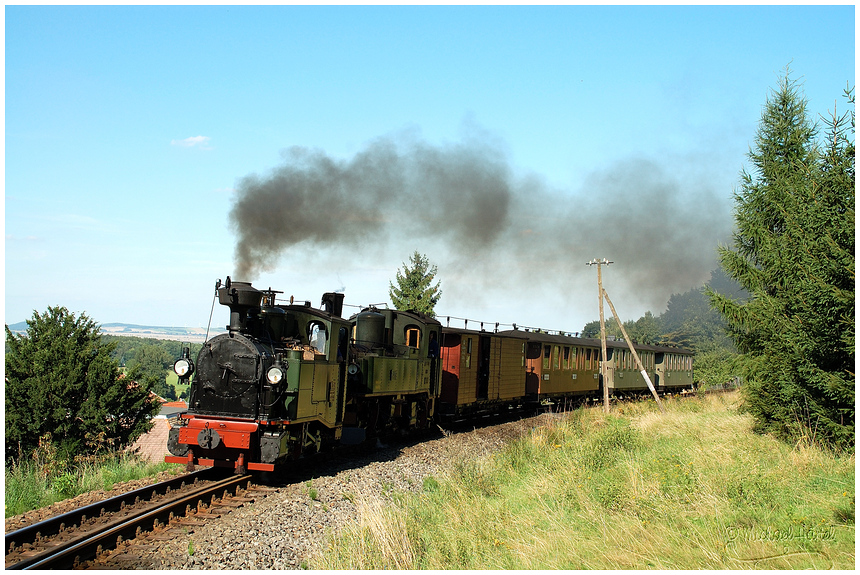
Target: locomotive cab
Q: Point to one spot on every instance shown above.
(394, 371)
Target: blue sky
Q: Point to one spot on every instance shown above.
(615, 132)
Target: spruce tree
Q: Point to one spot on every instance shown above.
(793, 252)
(415, 290)
(61, 379)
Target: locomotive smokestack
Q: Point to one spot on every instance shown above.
(333, 303)
(239, 297)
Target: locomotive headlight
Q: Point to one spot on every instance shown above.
(275, 374)
(183, 367)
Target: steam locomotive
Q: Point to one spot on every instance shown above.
(289, 379)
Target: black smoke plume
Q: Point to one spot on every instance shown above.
(498, 230)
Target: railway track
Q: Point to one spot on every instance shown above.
(84, 534)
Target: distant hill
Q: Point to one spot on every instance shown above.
(189, 334)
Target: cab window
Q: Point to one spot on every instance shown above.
(413, 336)
(317, 336)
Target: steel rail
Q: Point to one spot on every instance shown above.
(54, 525)
(66, 554)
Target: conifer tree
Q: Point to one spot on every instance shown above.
(793, 252)
(415, 290)
(61, 379)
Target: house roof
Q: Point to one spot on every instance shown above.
(172, 408)
(181, 403)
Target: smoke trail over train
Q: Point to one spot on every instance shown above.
(497, 228)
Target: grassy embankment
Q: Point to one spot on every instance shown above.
(42, 480)
(693, 488)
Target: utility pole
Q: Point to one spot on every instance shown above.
(598, 263)
(642, 369)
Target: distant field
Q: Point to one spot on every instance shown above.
(173, 379)
(182, 334)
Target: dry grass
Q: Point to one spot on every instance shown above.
(693, 488)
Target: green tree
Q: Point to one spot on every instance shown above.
(153, 360)
(793, 252)
(415, 290)
(592, 328)
(689, 320)
(127, 346)
(60, 379)
(645, 330)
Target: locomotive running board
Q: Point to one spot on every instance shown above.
(220, 463)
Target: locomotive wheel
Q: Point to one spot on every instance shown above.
(372, 425)
(423, 421)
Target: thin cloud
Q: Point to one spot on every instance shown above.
(81, 222)
(14, 238)
(201, 142)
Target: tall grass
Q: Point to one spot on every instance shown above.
(693, 488)
(43, 479)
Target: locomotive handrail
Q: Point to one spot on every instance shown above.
(496, 325)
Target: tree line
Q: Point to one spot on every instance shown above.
(780, 312)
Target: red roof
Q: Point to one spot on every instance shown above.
(179, 403)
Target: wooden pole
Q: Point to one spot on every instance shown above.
(599, 263)
(632, 350)
(603, 345)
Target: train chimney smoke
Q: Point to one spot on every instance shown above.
(460, 192)
(497, 230)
